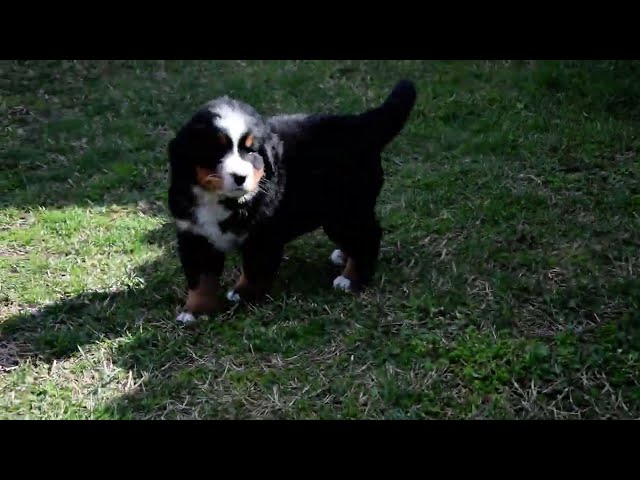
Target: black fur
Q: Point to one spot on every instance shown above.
(320, 170)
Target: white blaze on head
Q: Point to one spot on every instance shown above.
(235, 125)
(233, 122)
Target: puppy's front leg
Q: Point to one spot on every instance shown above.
(260, 263)
(202, 265)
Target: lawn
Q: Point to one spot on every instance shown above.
(508, 282)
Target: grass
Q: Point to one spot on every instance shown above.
(507, 287)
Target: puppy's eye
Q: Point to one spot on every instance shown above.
(248, 143)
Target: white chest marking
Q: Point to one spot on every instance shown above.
(207, 217)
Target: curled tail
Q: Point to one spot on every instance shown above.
(380, 125)
(319, 135)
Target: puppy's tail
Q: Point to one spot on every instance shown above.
(320, 135)
(382, 124)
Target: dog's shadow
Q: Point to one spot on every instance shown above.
(306, 268)
(138, 323)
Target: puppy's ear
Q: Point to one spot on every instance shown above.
(202, 119)
(270, 151)
(175, 149)
(172, 148)
(178, 151)
(257, 160)
(189, 142)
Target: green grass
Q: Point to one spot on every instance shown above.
(507, 288)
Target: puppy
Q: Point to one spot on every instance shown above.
(242, 181)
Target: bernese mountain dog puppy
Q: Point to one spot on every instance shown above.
(242, 181)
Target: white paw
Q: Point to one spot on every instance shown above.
(185, 318)
(338, 258)
(233, 296)
(342, 283)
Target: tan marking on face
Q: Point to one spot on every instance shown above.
(223, 138)
(249, 141)
(209, 179)
(204, 298)
(257, 176)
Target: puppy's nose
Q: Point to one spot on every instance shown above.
(239, 179)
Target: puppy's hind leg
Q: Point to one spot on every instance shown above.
(338, 258)
(359, 242)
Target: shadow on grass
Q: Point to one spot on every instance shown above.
(96, 152)
(137, 326)
(610, 87)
